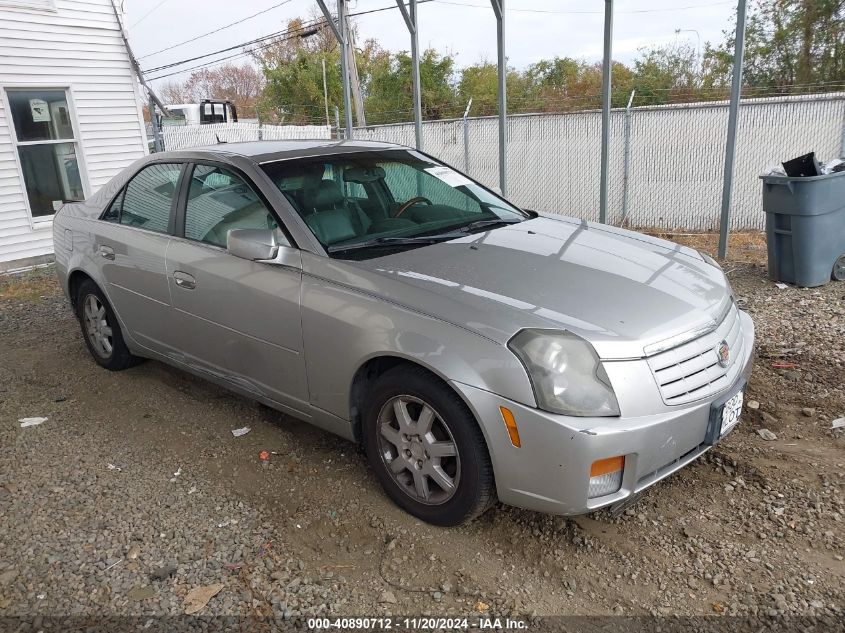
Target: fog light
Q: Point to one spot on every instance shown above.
(606, 476)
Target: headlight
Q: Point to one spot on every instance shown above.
(566, 373)
(709, 260)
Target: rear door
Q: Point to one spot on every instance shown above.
(237, 319)
(131, 247)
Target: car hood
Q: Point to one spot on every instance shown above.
(622, 291)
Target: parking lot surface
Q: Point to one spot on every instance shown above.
(134, 492)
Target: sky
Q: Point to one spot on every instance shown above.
(535, 29)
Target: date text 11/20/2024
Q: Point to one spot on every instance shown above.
(418, 624)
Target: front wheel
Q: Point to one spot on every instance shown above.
(427, 449)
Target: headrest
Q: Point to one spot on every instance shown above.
(363, 174)
(331, 226)
(327, 195)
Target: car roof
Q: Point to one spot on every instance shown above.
(268, 151)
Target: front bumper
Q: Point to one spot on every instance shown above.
(550, 472)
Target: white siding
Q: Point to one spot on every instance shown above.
(76, 46)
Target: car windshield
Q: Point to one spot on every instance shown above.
(367, 204)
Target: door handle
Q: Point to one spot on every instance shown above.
(184, 280)
(107, 252)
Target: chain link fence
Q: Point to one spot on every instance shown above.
(185, 136)
(673, 175)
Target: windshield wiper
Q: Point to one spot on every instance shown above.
(482, 224)
(394, 241)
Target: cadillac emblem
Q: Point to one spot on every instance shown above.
(723, 352)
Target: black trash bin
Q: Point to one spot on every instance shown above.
(805, 228)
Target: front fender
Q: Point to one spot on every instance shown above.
(344, 328)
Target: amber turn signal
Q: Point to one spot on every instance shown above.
(606, 466)
(510, 424)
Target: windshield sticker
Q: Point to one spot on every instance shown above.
(449, 176)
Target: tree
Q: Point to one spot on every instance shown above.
(173, 92)
(293, 70)
(240, 84)
(667, 74)
(480, 82)
(389, 86)
(789, 43)
(564, 84)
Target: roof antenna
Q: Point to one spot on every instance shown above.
(219, 142)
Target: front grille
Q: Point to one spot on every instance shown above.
(691, 371)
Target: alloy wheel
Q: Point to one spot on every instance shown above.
(97, 327)
(418, 448)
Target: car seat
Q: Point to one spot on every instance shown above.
(331, 215)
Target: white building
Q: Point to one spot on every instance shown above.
(70, 115)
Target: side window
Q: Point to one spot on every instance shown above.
(112, 214)
(149, 196)
(219, 201)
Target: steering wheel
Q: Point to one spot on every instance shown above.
(407, 205)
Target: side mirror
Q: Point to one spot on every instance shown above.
(252, 244)
(262, 245)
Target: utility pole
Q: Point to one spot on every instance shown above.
(409, 14)
(136, 67)
(158, 143)
(499, 12)
(355, 81)
(341, 35)
(326, 93)
(733, 120)
(605, 108)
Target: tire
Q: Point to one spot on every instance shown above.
(458, 452)
(101, 330)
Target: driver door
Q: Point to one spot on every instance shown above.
(238, 320)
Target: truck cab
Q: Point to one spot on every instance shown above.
(202, 113)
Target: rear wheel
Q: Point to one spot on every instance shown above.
(101, 330)
(839, 269)
(426, 448)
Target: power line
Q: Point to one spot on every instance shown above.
(222, 28)
(277, 40)
(559, 12)
(250, 42)
(257, 40)
(387, 8)
(316, 22)
(147, 14)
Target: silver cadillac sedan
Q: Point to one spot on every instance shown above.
(478, 351)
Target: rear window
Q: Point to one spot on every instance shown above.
(147, 199)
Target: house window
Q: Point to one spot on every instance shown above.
(47, 148)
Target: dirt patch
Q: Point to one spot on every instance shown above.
(27, 287)
(747, 247)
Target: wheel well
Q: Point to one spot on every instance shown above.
(363, 380)
(74, 281)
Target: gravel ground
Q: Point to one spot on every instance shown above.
(134, 492)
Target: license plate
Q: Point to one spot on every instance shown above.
(731, 411)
